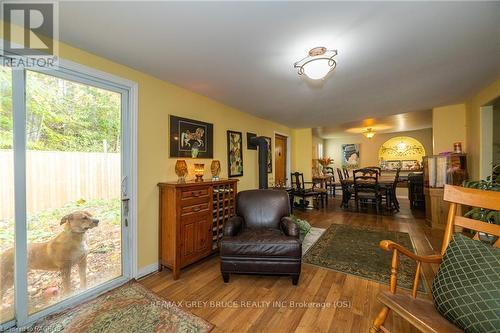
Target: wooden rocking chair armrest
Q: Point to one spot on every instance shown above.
(390, 246)
(396, 249)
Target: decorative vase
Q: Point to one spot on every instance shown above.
(181, 170)
(199, 170)
(215, 169)
(195, 149)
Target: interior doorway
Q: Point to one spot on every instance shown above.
(280, 152)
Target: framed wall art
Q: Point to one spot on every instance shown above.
(234, 154)
(350, 155)
(190, 138)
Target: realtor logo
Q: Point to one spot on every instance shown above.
(30, 34)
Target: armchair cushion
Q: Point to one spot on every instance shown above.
(262, 208)
(466, 289)
(289, 227)
(233, 226)
(264, 242)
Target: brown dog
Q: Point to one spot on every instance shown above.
(61, 253)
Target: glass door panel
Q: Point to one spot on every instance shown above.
(73, 180)
(6, 198)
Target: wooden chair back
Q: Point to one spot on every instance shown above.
(298, 181)
(365, 174)
(457, 196)
(379, 169)
(365, 180)
(346, 173)
(396, 178)
(329, 171)
(341, 175)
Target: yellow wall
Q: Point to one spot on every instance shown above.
(473, 116)
(157, 99)
(316, 142)
(302, 145)
(449, 126)
(369, 148)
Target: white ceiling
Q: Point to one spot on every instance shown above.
(394, 57)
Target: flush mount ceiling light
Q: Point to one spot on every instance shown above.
(369, 133)
(318, 63)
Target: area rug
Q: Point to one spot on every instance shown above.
(130, 308)
(310, 238)
(356, 251)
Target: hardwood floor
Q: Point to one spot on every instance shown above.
(295, 308)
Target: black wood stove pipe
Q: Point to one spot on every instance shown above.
(261, 143)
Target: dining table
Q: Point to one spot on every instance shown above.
(323, 180)
(384, 181)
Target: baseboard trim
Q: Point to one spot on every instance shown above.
(143, 271)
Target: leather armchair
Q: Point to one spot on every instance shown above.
(261, 238)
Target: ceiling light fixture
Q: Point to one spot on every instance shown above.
(318, 63)
(369, 133)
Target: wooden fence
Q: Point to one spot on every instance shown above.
(55, 178)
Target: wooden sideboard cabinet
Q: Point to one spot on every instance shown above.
(192, 217)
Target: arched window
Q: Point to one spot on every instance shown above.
(401, 152)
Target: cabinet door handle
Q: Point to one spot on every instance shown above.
(196, 209)
(196, 194)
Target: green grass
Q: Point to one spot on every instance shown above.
(44, 225)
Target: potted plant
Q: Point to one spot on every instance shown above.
(491, 183)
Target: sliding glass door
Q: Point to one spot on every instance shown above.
(66, 135)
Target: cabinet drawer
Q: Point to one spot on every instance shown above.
(195, 192)
(195, 208)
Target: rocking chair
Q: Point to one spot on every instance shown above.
(422, 313)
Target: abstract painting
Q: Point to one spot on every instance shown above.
(234, 154)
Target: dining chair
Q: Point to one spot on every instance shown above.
(299, 190)
(346, 173)
(389, 194)
(366, 187)
(379, 169)
(331, 185)
(347, 189)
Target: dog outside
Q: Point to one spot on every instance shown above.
(103, 247)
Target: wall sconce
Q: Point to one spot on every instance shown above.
(181, 170)
(199, 170)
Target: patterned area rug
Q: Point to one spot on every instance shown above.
(130, 308)
(355, 251)
(312, 237)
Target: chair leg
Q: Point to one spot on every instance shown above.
(295, 279)
(225, 277)
(380, 320)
